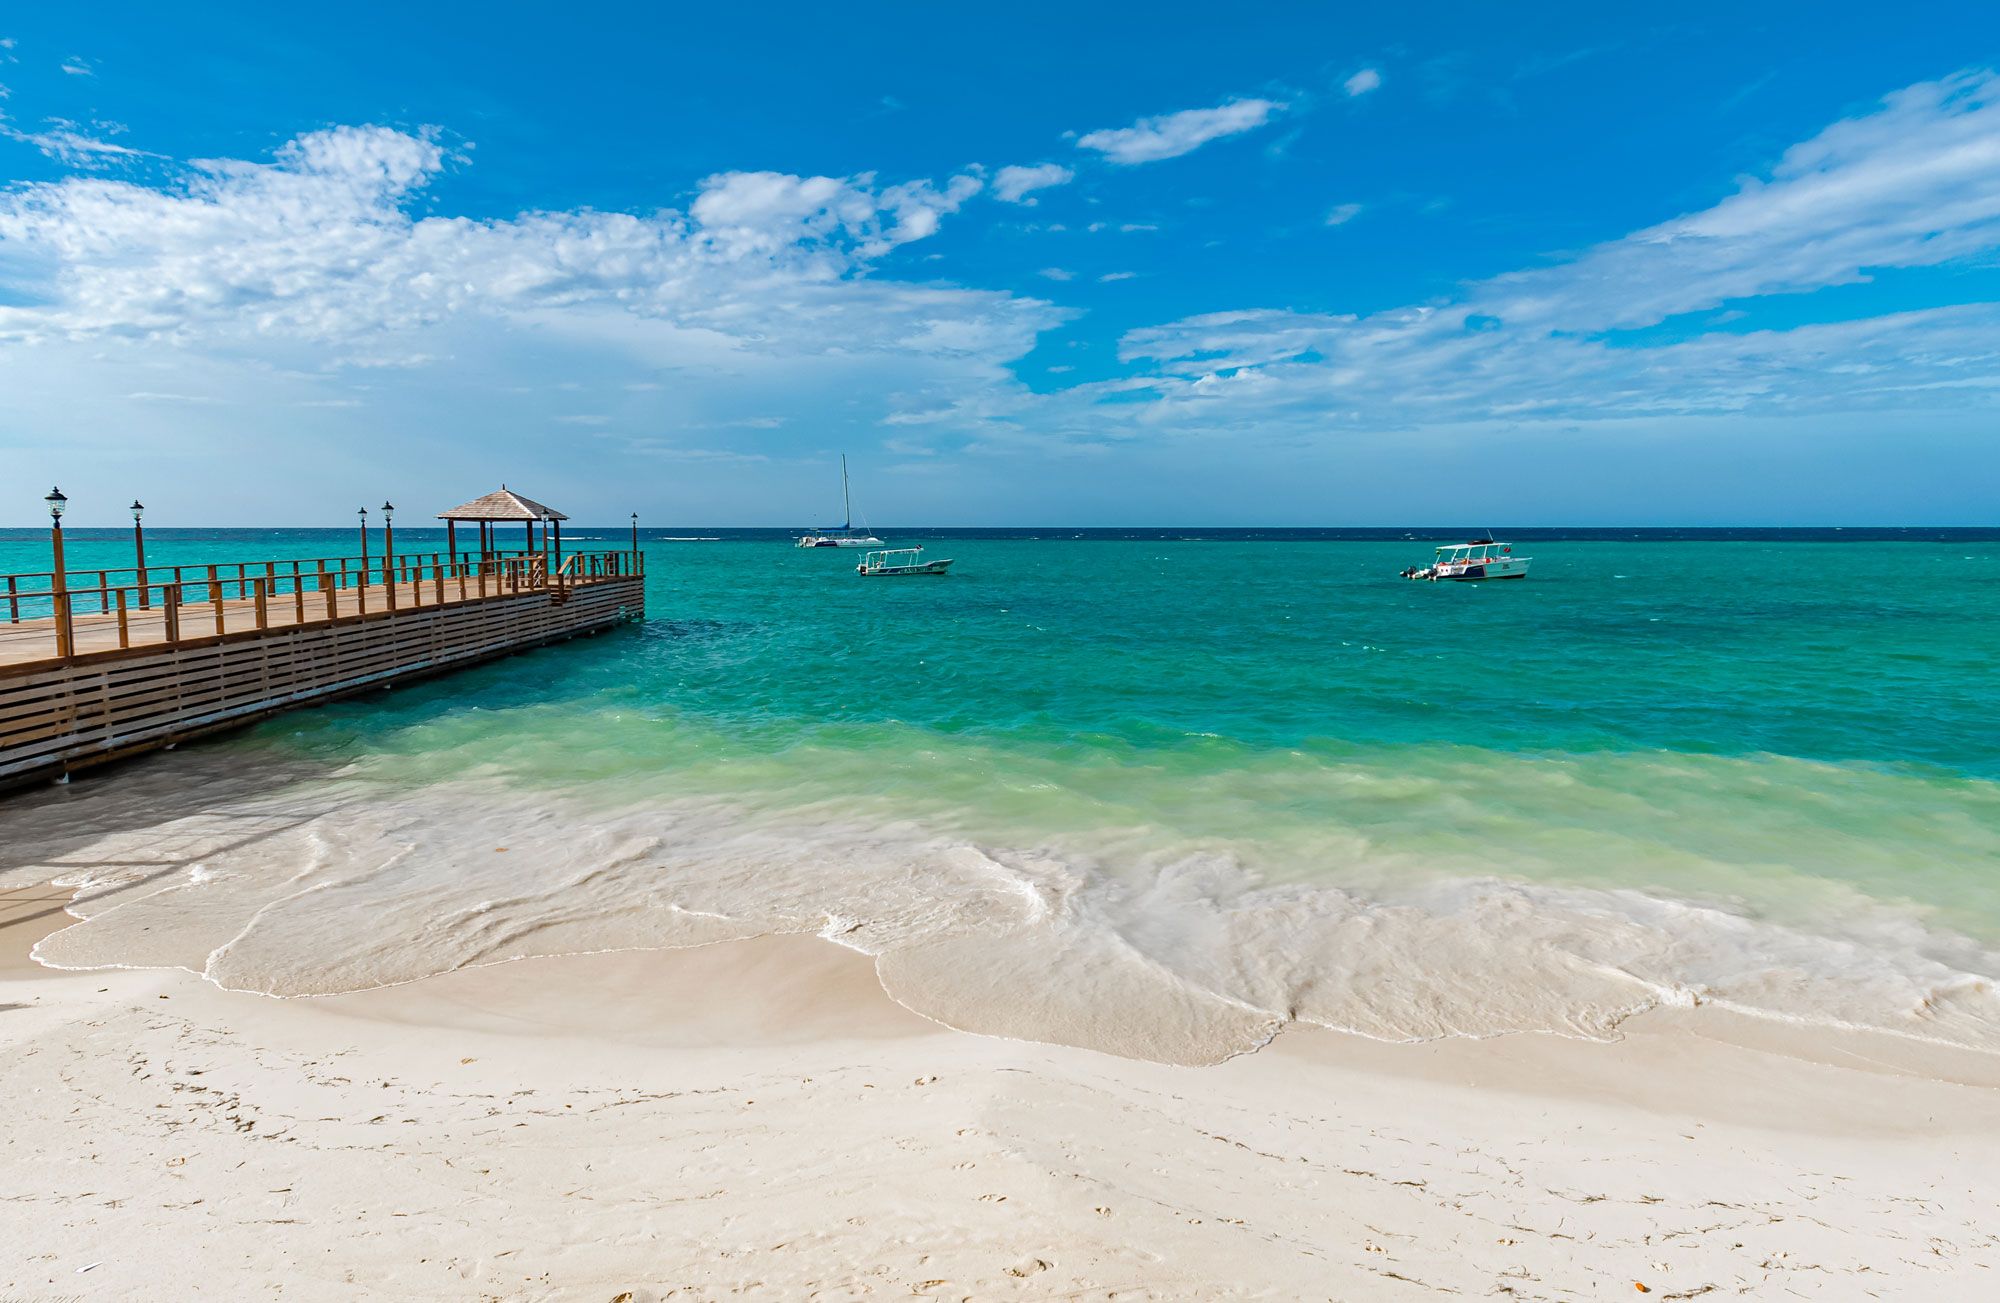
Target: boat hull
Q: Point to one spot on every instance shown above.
(897, 572)
(840, 542)
(1504, 569)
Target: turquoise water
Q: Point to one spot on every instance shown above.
(1787, 746)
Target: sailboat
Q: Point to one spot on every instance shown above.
(845, 535)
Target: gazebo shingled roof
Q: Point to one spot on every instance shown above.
(502, 504)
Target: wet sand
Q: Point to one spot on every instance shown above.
(756, 1118)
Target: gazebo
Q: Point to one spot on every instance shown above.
(503, 504)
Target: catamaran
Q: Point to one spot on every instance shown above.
(900, 561)
(845, 535)
(1481, 558)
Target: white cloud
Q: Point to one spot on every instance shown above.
(317, 244)
(1173, 134)
(1111, 276)
(1138, 226)
(1362, 82)
(1913, 183)
(76, 67)
(1342, 214)
(765, 213)
(1056, 274)
(278, 282)
(69, 143)
(1014, 184)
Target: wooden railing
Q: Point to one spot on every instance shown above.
(172, 604)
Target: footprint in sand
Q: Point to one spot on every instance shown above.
(1029, 1267)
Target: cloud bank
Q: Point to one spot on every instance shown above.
(772, 314)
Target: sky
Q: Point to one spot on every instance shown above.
(1458, 265)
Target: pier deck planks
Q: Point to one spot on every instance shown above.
(106, 701)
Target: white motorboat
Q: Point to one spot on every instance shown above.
(845, 535)
(900, 561)
(1481, 558)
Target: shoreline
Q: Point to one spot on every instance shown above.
(693, 1122)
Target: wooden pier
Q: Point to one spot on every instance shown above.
(100, 664)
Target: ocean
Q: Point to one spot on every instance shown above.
(1157, 792)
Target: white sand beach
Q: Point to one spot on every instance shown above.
(758, 1119)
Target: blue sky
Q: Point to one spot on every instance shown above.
(1307, 264)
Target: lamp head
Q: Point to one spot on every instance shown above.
(57, 502)
(138, 510)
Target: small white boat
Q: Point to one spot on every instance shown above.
(1482, 558)
(901, 561)
(845, 535)
(824, 539)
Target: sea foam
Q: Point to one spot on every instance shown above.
(1184, 956)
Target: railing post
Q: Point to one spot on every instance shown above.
(139, 554)
(259, 587)
(170, 599)
(332, 610)
(13, 602)
(59, 595)
(124, 630)
(65, 629)
(437, 573)
(215, 596)
(298, 594)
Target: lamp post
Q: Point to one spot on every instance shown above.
(361, 579)
(635, 538)
(389, 550)
(139, 549)
(58, 581)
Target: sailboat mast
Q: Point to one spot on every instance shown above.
(846, 501)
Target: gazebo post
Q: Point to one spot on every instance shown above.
(451, 541)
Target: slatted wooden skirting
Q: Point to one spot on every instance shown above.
(61, 714)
